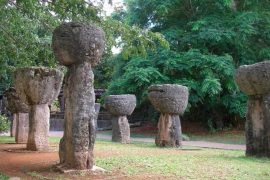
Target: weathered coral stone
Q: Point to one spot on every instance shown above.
(170, 100)
(120, 106)
(97, 109)
(78, 46)
(20, 111)
(254, 80)
(38, 87)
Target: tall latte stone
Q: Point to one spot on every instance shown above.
(20, 116)
(254, 80)
(120, 106)
(171, 101)
(78, 46)
(38, 87)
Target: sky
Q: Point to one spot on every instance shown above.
(108, 9)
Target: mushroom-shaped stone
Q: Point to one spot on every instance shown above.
(120, 106)
(38, 87)
(20, 124)
(171, 100)
(79, 46)
(254, 80)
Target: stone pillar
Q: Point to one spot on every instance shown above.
(171, 101)
(13, 126)
(20, 122)
(38, 87)
(22, 128)
(254, 80)
(120, 106)
(78, 46)
(97, 108)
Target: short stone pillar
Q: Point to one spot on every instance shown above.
(171, 101)
(13, 125)
(120, 106)
(97, 109)
(254, 80)
(78, 46)
(38, 87)
(20, 124)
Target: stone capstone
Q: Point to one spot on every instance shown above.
(20, 124)
(254, 79)
(169, 98)
(120, 104)
(37, 85)
(14, 103)
(77, 42)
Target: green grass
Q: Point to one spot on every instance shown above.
(175, 163)
(147, 161)
(3, 176)
(221, 137)
(134, 135)
(7, 139)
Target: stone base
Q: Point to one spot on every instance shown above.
(258, 126)
(169, 131)
(120, 129)
(62, 169)
(38, 128)
(22, 121)
(13, 127)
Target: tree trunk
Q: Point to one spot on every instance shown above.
(258, 126)
(39, 117)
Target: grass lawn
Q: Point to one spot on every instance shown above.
(226, 137)
(146, 161)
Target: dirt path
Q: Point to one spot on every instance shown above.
(204, 144)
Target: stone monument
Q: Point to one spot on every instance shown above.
(254, 81)
(78, 46)
(38, 87)
(120, 106)
(171, 101)
(20, 125)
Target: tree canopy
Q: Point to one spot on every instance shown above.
(26, 29)
(208, 40)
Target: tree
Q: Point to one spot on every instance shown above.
(27, 25)
(208, 40)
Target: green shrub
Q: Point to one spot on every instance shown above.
(4, 123)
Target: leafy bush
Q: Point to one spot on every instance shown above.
(4, 123)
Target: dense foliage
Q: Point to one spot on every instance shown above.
(26, 29)
(209, 39)
(4, 123)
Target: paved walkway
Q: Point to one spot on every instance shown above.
(204, 144)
